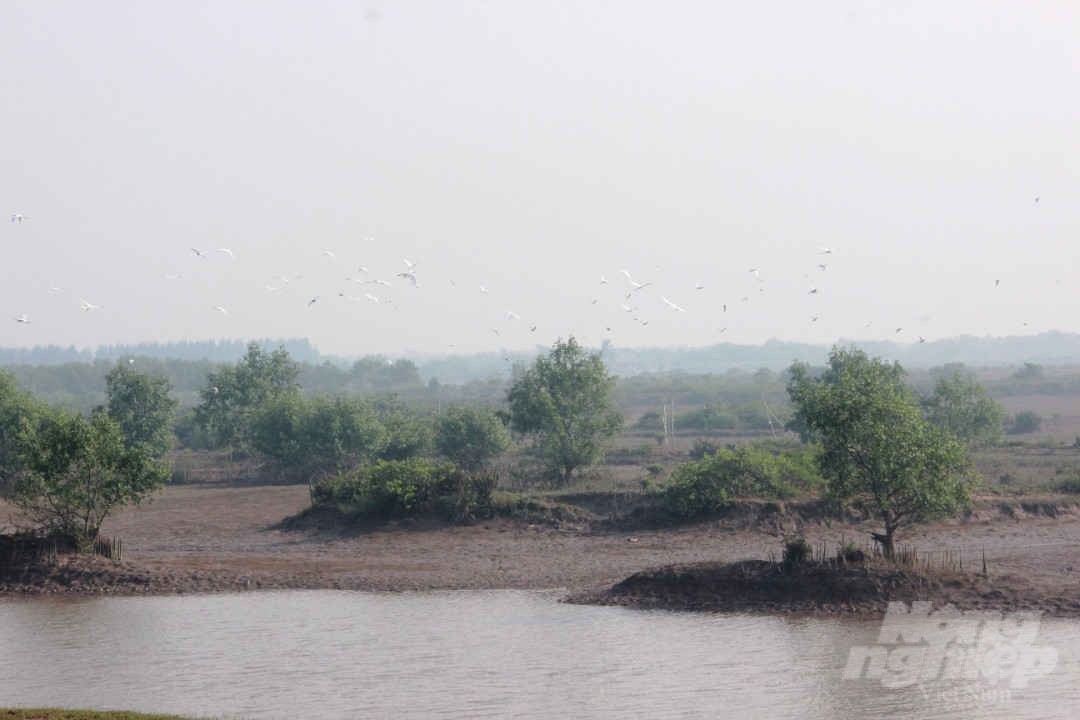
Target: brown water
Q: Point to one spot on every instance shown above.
(333, 654)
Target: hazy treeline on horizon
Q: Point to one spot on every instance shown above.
(649, 376)
(1050, 348)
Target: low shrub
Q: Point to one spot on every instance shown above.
(1023, 423)
(649, 421)
(849, 552)
(708, 418)
(1070, 485)
(702, 448)
(796, 551)
(713, 482)
(403, 488)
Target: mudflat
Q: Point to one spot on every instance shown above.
(210, 538)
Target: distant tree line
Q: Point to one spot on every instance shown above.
(197, 350)
(873, 440)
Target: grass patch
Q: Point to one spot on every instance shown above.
(1071, 485)
(60, 714)
(537, 510)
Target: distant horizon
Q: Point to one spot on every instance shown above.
(109, 350)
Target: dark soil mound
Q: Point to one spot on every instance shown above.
(820, 588)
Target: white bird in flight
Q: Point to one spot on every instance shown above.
(410, 276)
(825, 251)
(672, 305)
(511, 315)
(483, 289)
(22, 319)
(329, 253)
(636, 285)
(199, 253)
(173, 276)
(55, 290)
(312, 301)
(17, 217)
(227, 251)
(372, 298)
(88, 306)
(221, 310)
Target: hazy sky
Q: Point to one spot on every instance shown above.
(533, 147)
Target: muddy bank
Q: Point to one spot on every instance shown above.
(825, 588)
(217, 539)
(81, 575)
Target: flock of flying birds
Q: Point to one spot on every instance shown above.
(368, 287)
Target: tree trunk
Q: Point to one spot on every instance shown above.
(566, 473)
(886, 541)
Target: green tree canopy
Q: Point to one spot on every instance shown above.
(16, 410)
(141, 405)
(78, 471)
(470, 437)
(961, 406)
(408, 433)
(877, 450)
(234, 394)
(564, 401)
(318, 436)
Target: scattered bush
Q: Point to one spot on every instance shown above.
(796, 551)
(703, 448)
(710, 417)
(470, 437)
(470, 498)
(712, 483)
(753, 416)
(1070, 485)
(1024, 423)
(402, 488)
(313, 437)
(650, 421)
(408, 435)
(849, 552)
(1030, 371)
